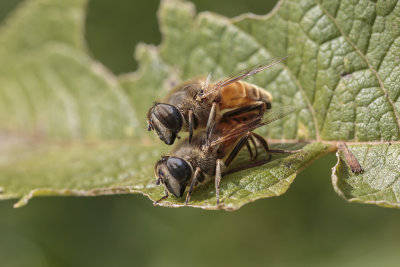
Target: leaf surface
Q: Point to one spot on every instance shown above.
(70, 127)
(379, 183)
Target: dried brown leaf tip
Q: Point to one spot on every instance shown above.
(350, 159)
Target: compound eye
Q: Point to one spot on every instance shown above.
(159, 170)
(169, 116)
(167, 121)
(179, 169)
(180, 172)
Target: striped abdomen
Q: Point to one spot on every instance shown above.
(239, 94)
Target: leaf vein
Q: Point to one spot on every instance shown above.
(374, 71)
(329, 106)
(370, 34)
(298, 84)
(51, 77)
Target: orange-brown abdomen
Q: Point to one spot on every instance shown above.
(226, 125)
(239, 94)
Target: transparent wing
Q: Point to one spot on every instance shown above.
(270, 116)
(268, 63)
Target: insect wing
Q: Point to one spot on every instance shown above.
(270, 116)
(268, 63)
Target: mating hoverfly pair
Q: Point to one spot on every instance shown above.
(224, 114)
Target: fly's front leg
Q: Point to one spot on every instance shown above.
(211, 120)
(161, 199)
(218, 176)
(243, 141)
(192, 184)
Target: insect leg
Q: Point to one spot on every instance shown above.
(211, 120)
(161, 199)
(192, 184)
(218, 178)
(239, 111)
(191, 122)
(266, 147)
(263, 143)
(236, 149)
(250, 151)
(255, 146)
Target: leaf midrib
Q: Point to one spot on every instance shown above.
(381, 85)
(293, 76)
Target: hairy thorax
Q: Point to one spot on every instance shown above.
(183, 97)
(196, 156)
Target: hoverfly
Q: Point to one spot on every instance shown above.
(196, 104)
(190, 164)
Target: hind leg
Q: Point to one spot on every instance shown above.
(267, 149)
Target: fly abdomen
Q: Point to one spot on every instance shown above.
(239, 94)
(258, 94)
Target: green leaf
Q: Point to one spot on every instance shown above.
(342, 72)
(113, 167)
(70, 127)
(49, 85)
(379, 183)
(75, 168)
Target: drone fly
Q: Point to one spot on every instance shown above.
(196, 162)
(196, 104)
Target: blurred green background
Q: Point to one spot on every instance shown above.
(309, 226)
